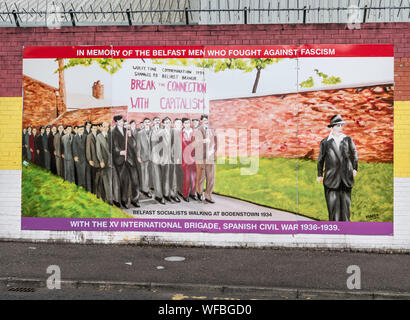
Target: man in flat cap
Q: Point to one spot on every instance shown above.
(338, 156)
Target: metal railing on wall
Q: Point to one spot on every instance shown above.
(53, 13)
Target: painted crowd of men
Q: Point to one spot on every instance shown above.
(162, 159)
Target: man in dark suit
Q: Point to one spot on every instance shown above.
(91, 156)
(88, 169)
(115, 180)
(104, 157)
(47, 159)
(144, 156)
(51, 150)
(169, 186)
(134, 133)
(38, 146)
(188, 161)
(119, 152)
(27, 144)
(74, 133)
(32, 147)
(131, 165)
(158, 171)
(67, 154)
(57, 151)
(80, 160)
(338, 156)
(24, 148)
(205, 142)
(176, 169)
(87, 129)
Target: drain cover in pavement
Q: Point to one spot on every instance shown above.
(174, 259)
(14, 289)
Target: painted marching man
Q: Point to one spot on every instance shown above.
(205, 142)
(188, 161)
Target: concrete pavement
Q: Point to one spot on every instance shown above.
(267, 273)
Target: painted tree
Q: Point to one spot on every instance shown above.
(217, 65)
(247, 65)
(326, 80)
(108, 64)
(61, 81)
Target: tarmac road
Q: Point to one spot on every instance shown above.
(116, 293)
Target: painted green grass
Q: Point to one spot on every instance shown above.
(372, 194)
(290, 184)
(47, 195)
(273, 185)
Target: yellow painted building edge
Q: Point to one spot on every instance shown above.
(401, 139)
(11, 118)
(11, 128)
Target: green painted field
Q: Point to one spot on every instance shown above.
(46, 195)
(286, 184)
(290, 184)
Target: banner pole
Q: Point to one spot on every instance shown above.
(126, 136)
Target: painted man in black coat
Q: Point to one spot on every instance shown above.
(24, 147)
(80, 160)
(38, 146)
(119, 153)
(51, 149)
(67, 154)
(132, 165)
(103, 147)
(91, 157)
(47, 159)
(58, 147)
(339, 160)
